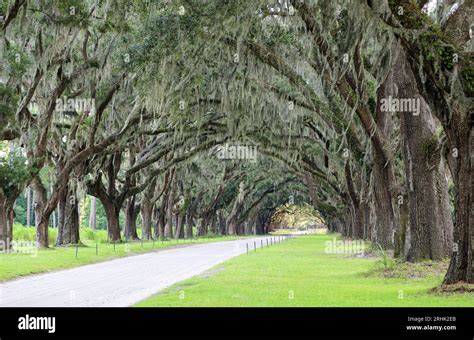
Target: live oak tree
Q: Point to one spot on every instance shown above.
(316, 87)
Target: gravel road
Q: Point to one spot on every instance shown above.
(121, 282)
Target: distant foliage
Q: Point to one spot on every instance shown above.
(293, 216)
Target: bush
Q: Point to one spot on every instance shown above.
(88, 234)
(385, 261)
(22, 233)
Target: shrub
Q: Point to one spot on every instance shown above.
(385, 260)
(22, 233)
(88, 234)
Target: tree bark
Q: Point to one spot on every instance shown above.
(429, 221)
(131, 214)
(231, 227)
(110, 199)
(358, 210)
(190, 212)
(169, 215)
(402, 237)
(162, 219)
(206, 222)
(179, 226)
(442, 196)
(461, 267)
(28, 207)
(68, 228)
(387, 218)
(146, 212)
(221, 222)
(188, 231)
(213, 226)
(54, 221)
(93, 214)
(7, 215)
(113, 225)
(10, 220)
(3, 221)
(41, 221)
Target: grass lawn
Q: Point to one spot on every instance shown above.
(299, 273)
(13, 265)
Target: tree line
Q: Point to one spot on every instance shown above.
(362, 108)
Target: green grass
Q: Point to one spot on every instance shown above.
(299, 273)
(32, 261)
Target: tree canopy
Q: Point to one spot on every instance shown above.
(213, 114)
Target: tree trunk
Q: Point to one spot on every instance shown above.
(68, 228)
(252, 221)
(221, 222)
(425, 221)
(93, 214)
(162, 220)
(232, 220)
(190, 214)
(213, 226)
(79, 207)
(402, 237)
(444, 209)
(179, 227)
(335, 225)
(33, 204)
(232, 227)
(3, 222)
(383, 178)
(188, 231)
(28, 207)
(169, 215)
(247, 228)
(113, 225)
(10, 220)
(206, 221)
(55, 223)
(62, 202)
(131, 213)
(358, 210)
(348, 223)
(41, 221)
(146, 212)
(461, 267)
(42, 233)
(7, 216)
(429, 219)
(358, 222)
